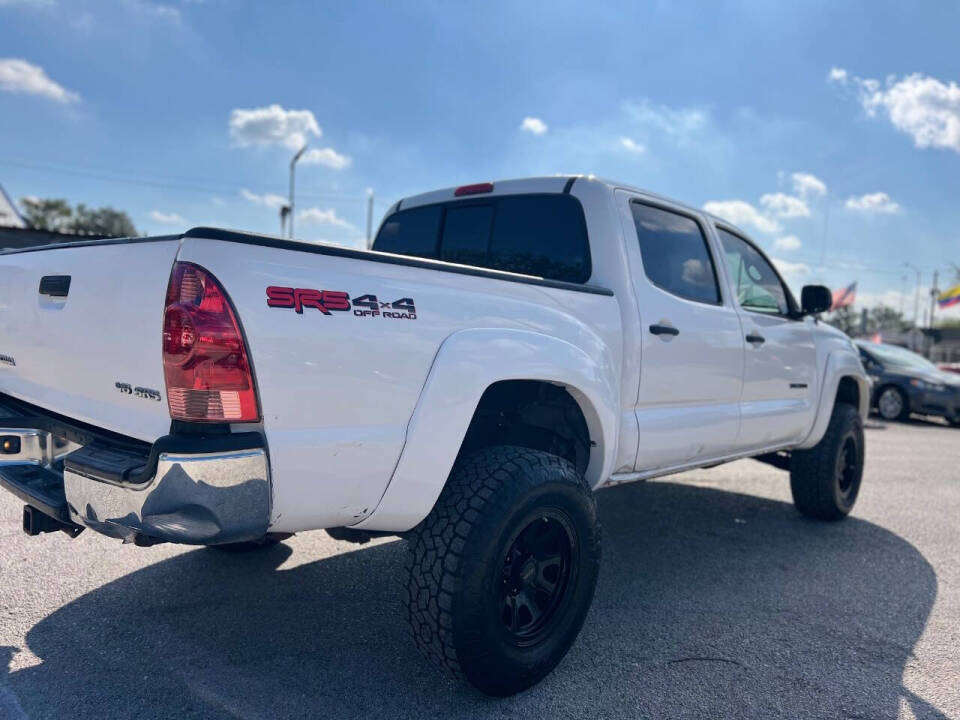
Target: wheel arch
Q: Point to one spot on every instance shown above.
(844, 382)
(470, 363)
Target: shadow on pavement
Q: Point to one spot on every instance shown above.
(710, 604)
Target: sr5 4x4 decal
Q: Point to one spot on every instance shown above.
(330, 301)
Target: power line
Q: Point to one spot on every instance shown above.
(169, 182)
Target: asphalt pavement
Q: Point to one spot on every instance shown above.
(716, 600)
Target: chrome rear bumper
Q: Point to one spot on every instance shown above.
(184, 489)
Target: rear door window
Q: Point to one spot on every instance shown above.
(675, 254)
(539, 235)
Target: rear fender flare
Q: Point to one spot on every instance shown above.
(467, 363)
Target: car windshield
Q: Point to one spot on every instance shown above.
(893, 355)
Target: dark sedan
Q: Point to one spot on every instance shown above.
(904, 383)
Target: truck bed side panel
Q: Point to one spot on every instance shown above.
(337, 391)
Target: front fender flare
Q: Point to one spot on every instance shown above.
(467, 363)
(839, 364)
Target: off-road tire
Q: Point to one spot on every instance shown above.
(458, 567)
(267, 541)
(821, 488)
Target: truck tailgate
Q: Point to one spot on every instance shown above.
(91, 352)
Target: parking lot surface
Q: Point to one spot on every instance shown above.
(716, 599)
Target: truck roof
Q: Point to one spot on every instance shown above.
(548, 184)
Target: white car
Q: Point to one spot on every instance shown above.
(505, 351)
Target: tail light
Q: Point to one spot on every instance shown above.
(205, 360)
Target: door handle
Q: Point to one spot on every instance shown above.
(55, 285)
(664, 330)
(756, 339)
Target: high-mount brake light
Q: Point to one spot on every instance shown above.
(476, 189)
(205, 360)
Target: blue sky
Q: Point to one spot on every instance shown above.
(830, 131)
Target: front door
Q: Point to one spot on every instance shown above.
(692, 354)
(780, 380)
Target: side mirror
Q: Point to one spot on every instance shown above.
(815, 299)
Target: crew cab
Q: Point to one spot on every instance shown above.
(503, 352)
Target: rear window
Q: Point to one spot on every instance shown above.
(540, 235)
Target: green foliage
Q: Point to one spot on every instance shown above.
(879, 319)
(948, 323)
(846, 319)
(56, 214)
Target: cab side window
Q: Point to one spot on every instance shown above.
(755, 283)
(674, 253)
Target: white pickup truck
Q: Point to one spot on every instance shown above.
(504, 351)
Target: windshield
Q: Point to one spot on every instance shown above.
(893, 355)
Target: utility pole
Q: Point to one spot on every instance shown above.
(370, 219)
(293, 163)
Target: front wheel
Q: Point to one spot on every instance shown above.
(825, 480)
(502, 571)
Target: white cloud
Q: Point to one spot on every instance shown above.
(785, 206)
(325, 156)
(269, 199)
(152, 10)
(167, 218)
(787, 243)
(805, 185)
(632, 145)
(923, 107)
(273, 125)
(20, 76)
(325, 217)
(677, 122)
(740, 212)
(837, 75)
(534, 125)
(878, 202)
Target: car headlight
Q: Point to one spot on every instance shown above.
(924, 385)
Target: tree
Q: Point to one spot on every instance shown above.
(47, 213)
(880, 319)
(883, 318)
(844, 318)
(56, 214)
(950, 322)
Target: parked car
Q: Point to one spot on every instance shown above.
(504, 351)
(950, 367)
(905, 382)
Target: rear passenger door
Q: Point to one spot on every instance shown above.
(692, 350)
(779, 380)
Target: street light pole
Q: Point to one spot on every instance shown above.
(293, 164)
(370, 218)
(916, 306)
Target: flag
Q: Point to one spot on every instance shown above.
(949, 298)
(845, 297)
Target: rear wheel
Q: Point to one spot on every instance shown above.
(892, 404)
(825, 480)
(502, 571)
